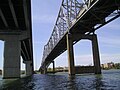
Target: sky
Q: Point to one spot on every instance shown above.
(44, 15)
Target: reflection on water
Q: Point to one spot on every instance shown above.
(109, 80)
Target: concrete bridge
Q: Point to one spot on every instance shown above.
(16, 32)
(78, 20)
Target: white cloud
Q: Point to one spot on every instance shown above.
(39, 43)
(110, 57)
(115, 25)
(88, 59)
(83, 60)
(43, 18)
(112, 42)
(104, 58)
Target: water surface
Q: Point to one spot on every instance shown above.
(108, 80)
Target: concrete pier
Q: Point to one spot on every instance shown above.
(45, 70)
(53, 66)
(96, 56)
(71, 67)
(12, 52)
(95, 50)
(28, 68)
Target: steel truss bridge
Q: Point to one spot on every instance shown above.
(78, 19)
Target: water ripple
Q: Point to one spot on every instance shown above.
(109, 80)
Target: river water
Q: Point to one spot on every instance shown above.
(108, 80)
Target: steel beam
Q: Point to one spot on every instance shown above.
(13, 13)
(3, 18)
(25, 13)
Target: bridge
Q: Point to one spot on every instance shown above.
(16, 32)
(78, 20)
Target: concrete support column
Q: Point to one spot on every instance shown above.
(41, 71)
(71, 67)
(96, 57)
(12, 52)
(53, 67)
(45, 70)
(28, 68)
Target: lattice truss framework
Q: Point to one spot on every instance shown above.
(69, 13)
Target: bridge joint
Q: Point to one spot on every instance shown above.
(21, 34)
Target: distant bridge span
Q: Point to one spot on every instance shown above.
(78, 20)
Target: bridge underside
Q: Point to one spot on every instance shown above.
(16, 31)
(87, 21)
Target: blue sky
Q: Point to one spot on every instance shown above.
(44, 15)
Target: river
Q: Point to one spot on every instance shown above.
(108, 80)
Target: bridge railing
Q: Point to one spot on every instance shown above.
(68, 14)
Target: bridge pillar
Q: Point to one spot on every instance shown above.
(53, 66)
(28, 68)
(45, 70)
(41, 71)
(71, 67)
(12, 52)
(96, 57)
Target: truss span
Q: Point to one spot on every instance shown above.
(78, 18)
